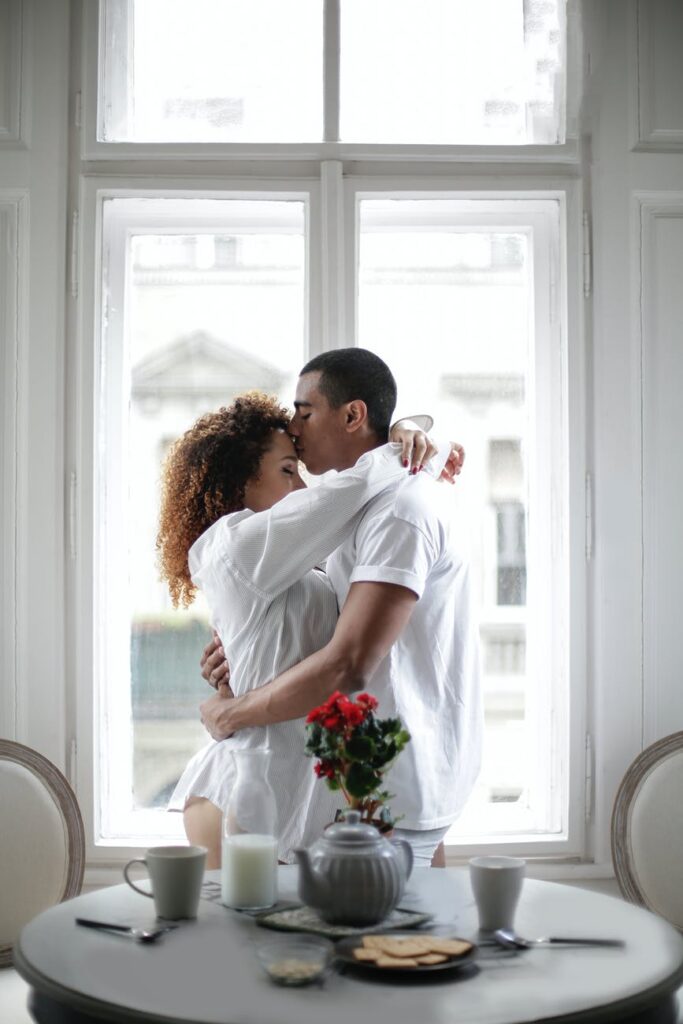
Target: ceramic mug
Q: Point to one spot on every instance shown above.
(176, 874)
(496, 884)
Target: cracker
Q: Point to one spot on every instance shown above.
(406, 947)
(373, 941)
(451, 947)
(361, 953)
(396, 961)
(432, 958)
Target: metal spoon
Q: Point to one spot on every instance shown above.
(139, 934)
(509, 939)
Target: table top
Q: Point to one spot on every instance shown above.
(207, 972)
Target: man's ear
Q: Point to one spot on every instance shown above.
(355, 415)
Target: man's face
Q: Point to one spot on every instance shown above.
(317, 429)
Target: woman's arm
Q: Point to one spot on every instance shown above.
(271, 550)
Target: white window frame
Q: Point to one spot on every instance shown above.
(333, 175)
(110, 523)
(87, 583)
(330, 147)
(554, 368)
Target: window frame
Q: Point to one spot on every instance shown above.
(330, 147)
(562, 283)
(87, 653)
(332, 174)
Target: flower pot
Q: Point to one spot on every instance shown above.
(382, 827)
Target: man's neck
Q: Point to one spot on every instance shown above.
(350, 456)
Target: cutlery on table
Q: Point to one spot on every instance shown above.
(509, 939)
(139, 934)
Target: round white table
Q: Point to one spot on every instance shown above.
(206, 971)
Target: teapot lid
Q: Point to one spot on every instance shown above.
(352, 830)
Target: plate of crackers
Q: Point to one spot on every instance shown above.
(416, 954)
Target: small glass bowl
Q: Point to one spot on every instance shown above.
(294, 959)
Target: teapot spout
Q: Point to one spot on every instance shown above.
(312, 886)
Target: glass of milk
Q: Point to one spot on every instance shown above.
(249, 849)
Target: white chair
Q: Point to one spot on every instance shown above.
(647, 830)
(42, 842)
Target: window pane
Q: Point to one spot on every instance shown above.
(448, 302)
(211, 71)
(205, 300)
(489, 72)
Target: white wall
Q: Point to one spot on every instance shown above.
(34, 47)
(634, 109)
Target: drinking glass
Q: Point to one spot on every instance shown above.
(249, 847)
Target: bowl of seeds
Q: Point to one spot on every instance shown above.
(295, 959)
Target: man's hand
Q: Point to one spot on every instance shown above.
(454, 463)
(215, 713)
(213, 664)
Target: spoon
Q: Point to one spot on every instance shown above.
(509, 939)
(139, 934)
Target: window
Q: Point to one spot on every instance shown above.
(506, 475)
(490, 72)
(454, 295)
(246, 204)
(205, 300)
(510, 548)
(211, 71)
(436, 72)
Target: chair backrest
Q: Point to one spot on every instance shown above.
(42, 842)
(647, 830)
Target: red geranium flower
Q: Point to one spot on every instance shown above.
(355, 751)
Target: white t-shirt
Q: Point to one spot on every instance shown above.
(430, 678)
(271, 609)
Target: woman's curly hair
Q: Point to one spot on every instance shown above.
(204, 476)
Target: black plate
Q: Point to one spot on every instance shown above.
(344, 951)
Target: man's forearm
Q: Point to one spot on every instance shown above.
(295, 692)
(372, 618)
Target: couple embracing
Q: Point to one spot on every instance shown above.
(390, 613)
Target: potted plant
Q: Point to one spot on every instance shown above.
(355, 750)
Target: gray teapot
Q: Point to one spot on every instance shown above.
(352, 875)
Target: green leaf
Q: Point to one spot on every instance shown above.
(314, 731)
(390, 725)
(385, 754)
(361, 779)
(360, 748)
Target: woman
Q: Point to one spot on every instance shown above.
(237, 521)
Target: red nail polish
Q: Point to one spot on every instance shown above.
(405, 463)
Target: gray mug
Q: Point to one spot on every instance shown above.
(497, 885)
(176, 874)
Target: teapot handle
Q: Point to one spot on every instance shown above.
(407, 850)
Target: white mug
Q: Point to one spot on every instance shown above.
(176, 874)
(496, 884)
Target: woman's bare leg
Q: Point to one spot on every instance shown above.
(202, 821)
(439, 858)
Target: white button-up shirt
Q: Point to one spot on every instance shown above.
(272, 608)
(430, 678)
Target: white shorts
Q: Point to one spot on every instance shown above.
(423, 843)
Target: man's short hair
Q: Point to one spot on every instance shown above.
(351, 374)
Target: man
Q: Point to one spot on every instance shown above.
(405, 630)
